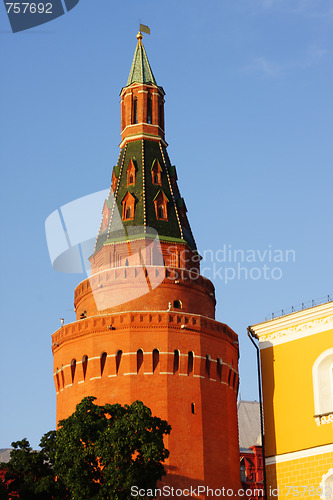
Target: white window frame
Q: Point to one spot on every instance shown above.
(327, 482)
(322, 374)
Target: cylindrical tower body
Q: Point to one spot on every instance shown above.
(146, 325)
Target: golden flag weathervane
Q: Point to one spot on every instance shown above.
(144, 29)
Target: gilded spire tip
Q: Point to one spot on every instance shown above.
(139, 36)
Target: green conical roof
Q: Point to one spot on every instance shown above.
(140, 71)
(175, 228)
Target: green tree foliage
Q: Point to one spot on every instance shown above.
(102, 451)
(29, 474)
(98, 453)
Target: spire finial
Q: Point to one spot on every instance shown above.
(139, 35)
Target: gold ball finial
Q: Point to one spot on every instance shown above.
(139, 36)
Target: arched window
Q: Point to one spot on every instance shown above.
(156, 178)
(177, 304)
(149, 110)
(156, 359)
(118, 359)
(128, 213)
(103, 361)
(219, 369)
(160, 211)
(135, 110)
(326, 486)
(73, 368)
(190, 358)
(175, 361)
(322, 374)
(84, 365)
(131, 179)
(139, 360)
(207, 365)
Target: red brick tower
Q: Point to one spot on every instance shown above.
(146, 324)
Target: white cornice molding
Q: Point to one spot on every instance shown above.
(141, 135)
(309, 452)
(294, 326)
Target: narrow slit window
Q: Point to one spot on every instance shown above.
(193, 408)
(57, 380)
(156, 359)
(207, 367)
(135, 110)
(229, 375)
(149, 110)
(118, 360)
(190, 358)
(160, 116)
(176, 361)
(139, 360)
(84, 366)
(103, 361)
(73, 368)
(219, 369)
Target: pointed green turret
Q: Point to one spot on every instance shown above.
(144, 198)
(140, 71)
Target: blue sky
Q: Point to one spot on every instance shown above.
(249, 125)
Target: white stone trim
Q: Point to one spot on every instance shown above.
(309, 452)
(142, 135)
(94, 378)
(294, 326)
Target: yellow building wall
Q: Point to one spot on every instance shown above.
(298, 478)
(288, 395)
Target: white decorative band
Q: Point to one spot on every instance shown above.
(309, 452)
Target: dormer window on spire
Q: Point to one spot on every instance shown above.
(128, 206)
(131, 171)
(156, 172)
(161, 203)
